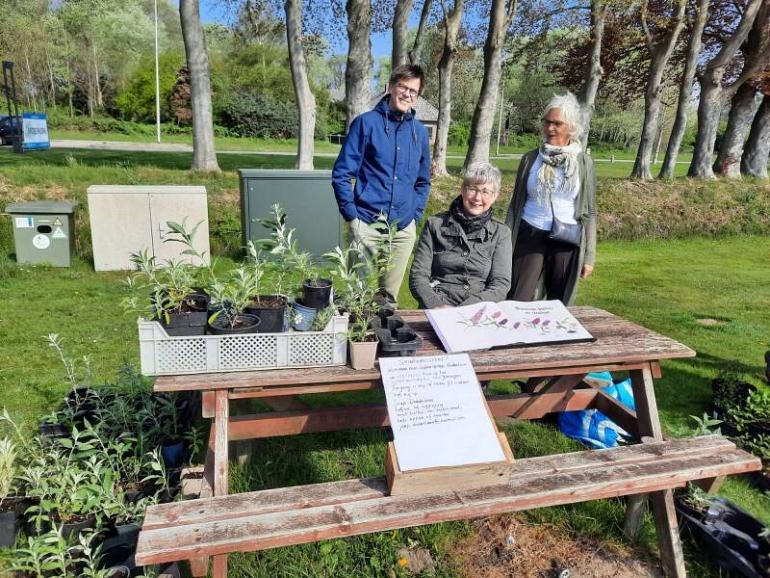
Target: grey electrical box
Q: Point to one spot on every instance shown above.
(126, 219)
(307, 198)
(43, 231)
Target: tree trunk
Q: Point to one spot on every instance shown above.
(416, 52)
(660, 53)
(305, 99)
(685, 91)
(359, 65)
(400, 28)
(99, 98)
(594, 71)
(452, 23)
(745, 105)
(484, 114)
(204, 155)
(713, 94)
(757, 151)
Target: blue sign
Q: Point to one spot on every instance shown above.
(34, 127)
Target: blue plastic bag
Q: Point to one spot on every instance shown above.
(592, 427)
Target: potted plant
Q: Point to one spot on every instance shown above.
(270, 309)
(358, 287)
(316, 292)
(736, 540)
(10, 507)
(229, 301)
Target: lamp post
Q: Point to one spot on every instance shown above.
(157, 76)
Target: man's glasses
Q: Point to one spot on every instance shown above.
(406, 90)
(484, 192)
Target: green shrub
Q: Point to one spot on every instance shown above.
(256, 116)
(459, 133)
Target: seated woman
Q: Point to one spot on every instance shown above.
(464, 255)
(552, 214)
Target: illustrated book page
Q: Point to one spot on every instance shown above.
(485, 325)
(438, 413)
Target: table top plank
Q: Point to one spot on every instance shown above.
(618, 341)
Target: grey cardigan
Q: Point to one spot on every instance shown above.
(452, 268)
(585, 213)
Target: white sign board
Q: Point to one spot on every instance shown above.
(34, 125)
(438, 413)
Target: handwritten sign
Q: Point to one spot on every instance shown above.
(437, 412)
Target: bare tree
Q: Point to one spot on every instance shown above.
(359, 65)
(745, 104)
(594, 72)
(757, 151)
(500, 18)
(204, 155)
(660, 47)
(700, 18)
(714, 94)
(416, 52)
(400, 29)
(452, 20)
(305, 99)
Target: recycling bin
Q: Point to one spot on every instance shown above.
(43, 232)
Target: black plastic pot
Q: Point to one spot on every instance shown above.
(172, 454)
(52, 430)
(186, 323)
(271, 311)
(730, 535)
(119, 545)
(10, 518)
(317, 293)
(244, 323)
(74, 528)
(396, 337)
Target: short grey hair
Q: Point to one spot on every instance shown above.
(481, 172)
(571, 112)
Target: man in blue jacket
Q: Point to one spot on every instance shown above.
(387, 154)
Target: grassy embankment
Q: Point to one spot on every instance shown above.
(665, 284)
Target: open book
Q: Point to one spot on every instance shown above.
(484, 325)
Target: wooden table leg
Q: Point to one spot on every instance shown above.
(663, 511)
(221, 459)
(200, 566)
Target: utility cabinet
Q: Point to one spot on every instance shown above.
(129, 218)
(307, 198)
(43, 231)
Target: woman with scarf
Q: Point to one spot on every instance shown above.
(464, 255)
(552, 215)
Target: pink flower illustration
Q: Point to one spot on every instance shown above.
(535, 321)
(477, 316)
(546, 322)
(516, 325)
(496, 314)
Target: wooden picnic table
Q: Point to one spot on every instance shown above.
(555, 383)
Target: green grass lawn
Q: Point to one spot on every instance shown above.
(666, 285)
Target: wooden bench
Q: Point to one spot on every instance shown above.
(281, 517)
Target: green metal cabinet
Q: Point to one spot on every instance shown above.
(43, 232)
(307, 198)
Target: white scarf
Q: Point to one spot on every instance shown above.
(552, 157)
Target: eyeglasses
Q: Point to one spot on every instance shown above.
(484, 192)
(406, 90)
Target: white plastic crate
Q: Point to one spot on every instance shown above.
(162, 354)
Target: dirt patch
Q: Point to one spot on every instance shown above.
(709, 322)
(508, 547)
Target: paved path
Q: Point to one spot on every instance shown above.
(185, 148)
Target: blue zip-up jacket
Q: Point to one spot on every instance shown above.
(389, 157)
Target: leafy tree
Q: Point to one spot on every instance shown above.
(136, 101)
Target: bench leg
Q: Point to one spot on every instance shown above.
(200, 566)
(666, 526)
(634, 512)
(221, 458)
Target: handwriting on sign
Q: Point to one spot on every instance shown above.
(437, 412)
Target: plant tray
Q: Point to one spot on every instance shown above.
(162, 354)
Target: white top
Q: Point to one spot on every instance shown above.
(537, 211)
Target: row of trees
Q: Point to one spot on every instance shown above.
(618, 56)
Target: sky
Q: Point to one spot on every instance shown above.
(214, 11)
